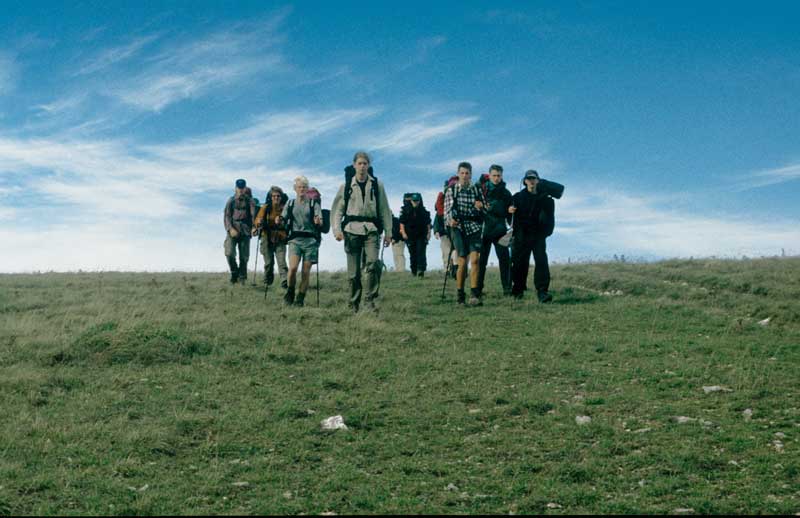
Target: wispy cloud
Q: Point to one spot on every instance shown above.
(115, 55)
(8, 73)
(424, 47)
(607, 222)
(193, 69)
(514, 159)
(767, 177)
(419, 133)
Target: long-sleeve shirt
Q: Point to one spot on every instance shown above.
(459, 204)
(362, 204)
(239, 214)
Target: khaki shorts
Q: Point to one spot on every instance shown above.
(306, 248)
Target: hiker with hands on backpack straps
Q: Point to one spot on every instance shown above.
(273, 236)
(498, 200)
(415, 228)
(360, 216)
(534, 219)
(238, 217)
(464, 209)
(302, 219)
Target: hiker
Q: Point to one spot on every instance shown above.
(240, 211)
(415, 227)
(302, 218)
(442, 233)
(398, 246)
(498, 200)
(273, 236)
(463, 211)
(361, 216)
(534, 219)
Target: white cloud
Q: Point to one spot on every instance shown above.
(193, 69)
(416, 135)
(112, 56)
(515, 161)
(424, 47)
(8, 73)
(771, 177)
(604, 223)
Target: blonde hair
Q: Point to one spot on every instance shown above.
(361, 154)
(301, 180)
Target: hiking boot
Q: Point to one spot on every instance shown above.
(234, 277)
(421, 275)
(288, 299)
(544, 297)
(370, 307)
(270, 278)
(475, 298)
(299, 300)
(462, 297)
(413, 273)
(284, 284)
(352, 307)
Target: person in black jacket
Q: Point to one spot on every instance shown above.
(533, 221)
(498, 200)
(415, 227)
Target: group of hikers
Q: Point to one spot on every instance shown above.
(471, 218)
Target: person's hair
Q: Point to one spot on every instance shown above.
(361, 154)
(301, 180)
(465, 165)
(497, 168)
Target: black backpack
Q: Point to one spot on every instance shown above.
(349, 173)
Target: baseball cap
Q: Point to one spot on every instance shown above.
(530, 173)
(241, 184)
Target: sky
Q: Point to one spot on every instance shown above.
(675, 126)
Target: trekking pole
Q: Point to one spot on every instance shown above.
(255, 269)
(317, 283)
(447, 270)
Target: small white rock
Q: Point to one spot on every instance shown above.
(748, 414)
(333, 423)
(682, 510)
(642, 430)
(553, 505)
(764, 322)
(582, 420)
(684, 420)
(451, 487)
(716, 388)
(778, 445)
(241, 484)
(780, 435)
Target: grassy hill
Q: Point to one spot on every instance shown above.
(175, 393)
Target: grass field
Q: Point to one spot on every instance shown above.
(177, 394)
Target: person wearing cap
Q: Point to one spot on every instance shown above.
(533, 221)
(238, 217)
(464, 211)
(415, 227)
(498, 200)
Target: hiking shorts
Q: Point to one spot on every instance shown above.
(306, 248)
(465, 245)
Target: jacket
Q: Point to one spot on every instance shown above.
(498, 200)
(535, 215)
(239, 214)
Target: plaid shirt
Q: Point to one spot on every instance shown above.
(459, 204)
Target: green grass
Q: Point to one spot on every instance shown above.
(177, 394)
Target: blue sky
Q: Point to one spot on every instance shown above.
(675, 126)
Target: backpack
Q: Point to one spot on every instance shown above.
(349, 173)
(315, 198)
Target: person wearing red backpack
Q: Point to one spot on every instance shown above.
(302, 218)
(443, 234)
